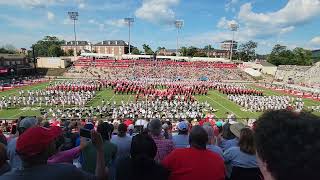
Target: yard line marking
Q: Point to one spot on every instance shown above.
(223, 106)
(233, 102)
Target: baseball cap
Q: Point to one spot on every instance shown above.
(182, 126)
(28, 122)
(36, 139)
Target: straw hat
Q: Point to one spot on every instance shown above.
(236, 128)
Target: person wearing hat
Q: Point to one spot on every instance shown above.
(181, 140)
(23, 125)
(37, 144)
(164, 146)
(230, 135)
(123, 141)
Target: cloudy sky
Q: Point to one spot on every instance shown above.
(288, 22)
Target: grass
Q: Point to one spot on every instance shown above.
(217, 100)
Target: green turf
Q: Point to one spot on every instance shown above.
(214, 98)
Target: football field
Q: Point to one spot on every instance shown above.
(217, 100)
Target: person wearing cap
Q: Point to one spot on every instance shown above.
(23, 125)
(244, 154)
(123, 141)
(181, 140)
(164, 146)
(195, 162)
(211, 144)
(37, 144)
(230, 135)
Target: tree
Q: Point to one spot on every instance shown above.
(8, 49)
(183, 51)
(247, 51)
(70, 52)
(280, 55)
(192, 51)
(49, 46)
(135, 51)
(147, 49)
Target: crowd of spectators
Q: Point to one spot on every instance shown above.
(209, 149)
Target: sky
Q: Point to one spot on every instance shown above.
(288, 22)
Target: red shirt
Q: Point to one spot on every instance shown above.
(192, 163)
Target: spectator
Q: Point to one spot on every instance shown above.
(36, 145)
(164, 146)
(123, 141)
(66, 156)
(195, 162)
(3, 138)
(211, 144)
(4, 165)
(14, 158)
(242, 156)
(288, 145)
(141, 165)
(167, 128)
(229, 138)
(110, 150)
(130, 129)
(181, 140)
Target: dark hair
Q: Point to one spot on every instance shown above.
(105, 130)
(143, 145)
(246, 142)
(122, 130)
(3, 154)
(226, 133)
(289, 144)
(198, 137)
(14, 129)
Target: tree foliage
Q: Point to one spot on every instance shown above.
(280, 55)
(247, 51)
(49, 46)
(147, 49)
(135, 51)
(8, 49)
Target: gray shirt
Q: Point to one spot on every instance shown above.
(123, 145)
(14, 159)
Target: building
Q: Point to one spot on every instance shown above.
(216, 53)
(81, 46)
(226, 45)
(53, 62)
(17, 63)
(167, 52)
(115, 47)
(22, 51)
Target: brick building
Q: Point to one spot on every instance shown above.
(81, 46)
(115, 47)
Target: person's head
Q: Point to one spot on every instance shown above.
(198, 137)
(27, 123)
(210, 133)
(105, 130)
(236, 129)
(182, 127)
(3, 154)
(288, 145)
(155, 127)
(122, 130)
(37, 144)
(143, 145)
(246, 142)
(226, 133)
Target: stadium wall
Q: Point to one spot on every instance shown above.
(53, 62)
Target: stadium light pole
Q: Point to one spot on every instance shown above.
(74, 16)
(178, 24)
(129, 21)
(233, 28)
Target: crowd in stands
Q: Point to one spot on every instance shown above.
(8, 83)
(208, 149)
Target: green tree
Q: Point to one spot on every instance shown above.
(70, 52)
(135, 51)
(49, 46)
(147, 49)
(302, 56)
(183, 51)
(247, 51)
(192, 51)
